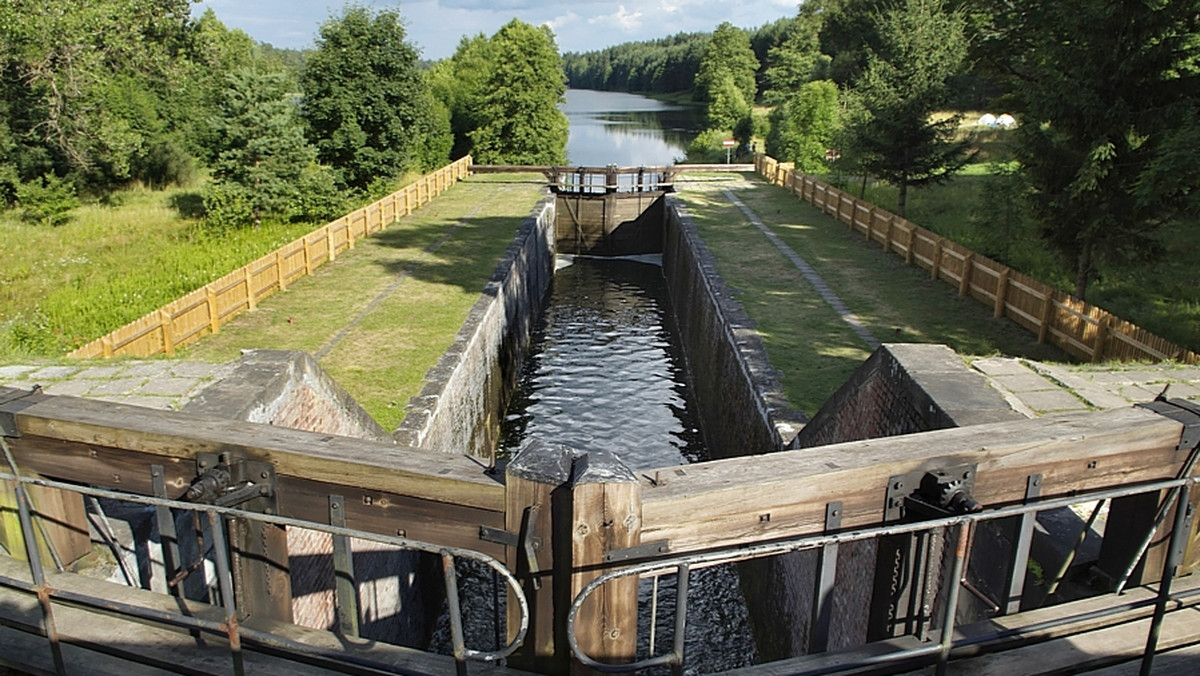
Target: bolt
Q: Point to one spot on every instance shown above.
(614, 634)
(334, 506)
(401, 532)
(582, 529)
(265, 475)
(836, 512)
(367, 499)
(116, 478)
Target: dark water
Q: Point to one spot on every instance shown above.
(605, 371)
(626, 129)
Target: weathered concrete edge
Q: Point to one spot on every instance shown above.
(457, 410)
(736, 330)
(281, 387)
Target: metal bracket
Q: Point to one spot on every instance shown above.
(526, 543)
(1189, 518)
(1182, 411)
(225, 481)
(900, 505)
(646, 550)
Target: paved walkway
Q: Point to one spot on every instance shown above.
(160, 384)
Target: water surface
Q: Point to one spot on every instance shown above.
(628, 130)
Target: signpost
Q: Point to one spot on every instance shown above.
(729, 145)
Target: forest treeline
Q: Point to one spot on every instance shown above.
(1105, 96)
(105, 94)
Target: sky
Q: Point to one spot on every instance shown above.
(435, 26)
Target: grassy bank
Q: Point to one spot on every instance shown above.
(982, 211)
(381, 315)
(806, 340)
(110, 264)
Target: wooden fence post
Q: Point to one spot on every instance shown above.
(329, 242)
(1047, 314)
(964, 282)
(165, 320)
(908, 250)
(1001, 293)
(279, 273)
(607, 517)
(1102, 329)
(214, 313)
(308, 266)
(888, 232)
(936, 260)
(248, 279)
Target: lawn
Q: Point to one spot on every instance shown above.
(805, 339)
(379, 317)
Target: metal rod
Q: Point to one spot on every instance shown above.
(167, 534)
(1066, 564)
(1020, 561)
(35, 562)
(1184, 472)
(106, 533)
(1178, 531)
(653, 612)
(456, 628)
(956, 573)
(345, 586)
(681, 603)
(225, 579)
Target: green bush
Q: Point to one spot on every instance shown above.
(319, 199)
(228, 206)
(706, 148)
(47, 200)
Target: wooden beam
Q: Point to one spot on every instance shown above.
(784, 494)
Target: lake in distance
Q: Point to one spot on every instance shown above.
(627, 130)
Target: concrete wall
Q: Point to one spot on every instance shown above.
(742, 406)
(899, 389)
(290, 389)
(460, 408)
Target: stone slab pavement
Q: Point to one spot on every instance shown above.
(1038, 389)
(155, 383)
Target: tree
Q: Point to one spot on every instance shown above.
(905, 82)
(367, 106)
(460, 84)
(263, 151)
(728, 64)
(519, 118)
(802, 127)
(1107, 98)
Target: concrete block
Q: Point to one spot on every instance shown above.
(1052, 401)
(14, 371)
(70, 388)
(53, 373)
(1025, 382)
(167, 386)
(100, 372)
(1000, 366)
(147, 369)
(119, 387)
(158, 403)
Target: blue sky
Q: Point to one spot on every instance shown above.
(435, 26)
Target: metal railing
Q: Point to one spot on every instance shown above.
(962, 527)
(239, 636)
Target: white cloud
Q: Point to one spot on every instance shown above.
(623, 19)
(558, 22)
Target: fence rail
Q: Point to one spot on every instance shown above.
(1078, 327)
(206, 309)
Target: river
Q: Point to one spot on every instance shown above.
(628, 130)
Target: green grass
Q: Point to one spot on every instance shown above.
(805, 339)
(398, 306)
(61, 287)
(975, 210)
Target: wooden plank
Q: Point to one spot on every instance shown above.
(740, 500)
(178, 437)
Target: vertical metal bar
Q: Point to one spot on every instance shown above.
(1184, 472)
(39, 578)
(956, 574)
(35, 560)
(1066, 564)
(456, 627)
(1020, 563)
(165, 519)
(681, 602)
(225, 579)
(653, 613)
(345, 590)
(826, 576)
(1179, 530)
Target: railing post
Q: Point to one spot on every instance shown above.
(537, 507)
(606, 510)
(1001, 293)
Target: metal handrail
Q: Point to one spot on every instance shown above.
(682, 564)
(230, 628)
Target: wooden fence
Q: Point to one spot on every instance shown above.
(1080, 328)
(206, 309)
